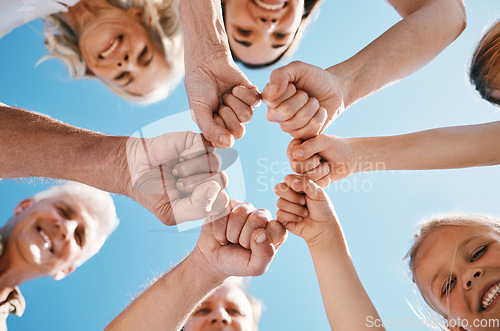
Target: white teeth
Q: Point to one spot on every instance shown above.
(267, 6)
(47, 244)
(490, 295)
(111, 48)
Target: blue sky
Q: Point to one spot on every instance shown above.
(378, 211)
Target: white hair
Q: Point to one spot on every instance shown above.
(161, 18)
(97, 203)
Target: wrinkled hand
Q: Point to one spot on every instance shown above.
(324, 159)
(213, 82)
(252, 241)
(176, 176)
(318, 84)
(305, 209)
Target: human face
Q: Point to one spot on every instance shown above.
(227, 309)
(458, 273)
(116, 48)
(259, 31)
(49, 235)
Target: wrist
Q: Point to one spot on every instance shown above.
(344, 77)
(206, 273)
(329, 241)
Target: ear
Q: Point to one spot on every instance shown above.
(135, 12)
(23, 205)
(63, 273)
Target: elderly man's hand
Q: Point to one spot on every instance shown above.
(252, 240)
(318, 84)
(176, 176)
(213, 82)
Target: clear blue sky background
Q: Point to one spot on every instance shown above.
(378, 211)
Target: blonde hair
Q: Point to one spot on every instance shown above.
(161, 18)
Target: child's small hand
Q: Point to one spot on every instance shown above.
(236, 111)
(297, 114)
(305, 210)
(324, 159)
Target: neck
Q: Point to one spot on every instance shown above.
(83, 12)
(11, 276)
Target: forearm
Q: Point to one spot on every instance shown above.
(203, 26)
(443, 148)
(34, 145)
(168, 303)
(346, 302)
(428, 27)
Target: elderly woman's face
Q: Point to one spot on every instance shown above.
(259, 31)
(116, 48)
(227, 309)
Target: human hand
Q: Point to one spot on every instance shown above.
(213, 81)
(318, 83)
(251, 241)
(305, 209)
(324, 159)
(176, 176)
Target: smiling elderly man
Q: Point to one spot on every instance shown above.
(51, 234)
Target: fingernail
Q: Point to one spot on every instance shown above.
(179, 185)
(175, 172)
(260, 237)
(225, 140)
(298, 153)
(256, 104)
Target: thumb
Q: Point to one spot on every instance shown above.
(262, 252)
(198, 205)
(309, 147)
(278, 82)
(216, 134)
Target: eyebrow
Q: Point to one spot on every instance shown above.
(244, 43)
(278, 46)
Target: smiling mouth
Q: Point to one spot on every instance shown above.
(45, 237)
(111, 48)
(268, 6)
(490, 295)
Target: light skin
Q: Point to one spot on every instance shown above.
(407, 46)
(442, 148)
(46, 238)
(175, 296)
(212, 74)
(456, 266)
(228, 307)
(306, 211)
(116, 46)
(259, 35)
(170, 175)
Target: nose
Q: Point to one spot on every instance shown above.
(269, 22)
(66, 229)
(122, 61)
(471, 277)
(220, 317)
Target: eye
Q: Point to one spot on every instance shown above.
(121, 75)
(63, 212)
(244, 32)
(233, 312)
(478, 253)
(143, 52)
(202, 311)
(448, 286)
(79, 235)
(280, 36)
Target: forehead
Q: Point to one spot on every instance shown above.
(229, 293)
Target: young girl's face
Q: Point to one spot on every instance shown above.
(457, 270)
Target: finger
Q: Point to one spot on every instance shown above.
(277, 233)
(319, 172)
(313, 128)
(309, 147)
(186, 185)
(285, 217)
(242, 111)
(207, 163)
(288, 108)
(303, 184)
(198, 205)
(292, 208)
(219, 121)
(302, 117)
(295, 182)
(250, 96)
(279, 97)
(325, 181)
(304, 166)
(285, 192)
(262, 252)
(216, 134)
(231, 122)
(196, 145)
(221, 205)
(219, 229)
(291, 147)
(237, 220)
(258, 219)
